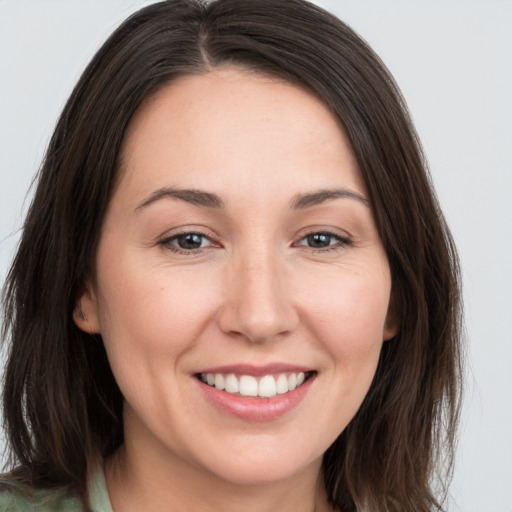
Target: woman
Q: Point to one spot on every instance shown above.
(234, 289)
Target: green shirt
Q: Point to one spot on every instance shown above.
(42, 501)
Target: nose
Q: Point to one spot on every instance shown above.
(258, 305)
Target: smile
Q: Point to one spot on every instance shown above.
(266, 386)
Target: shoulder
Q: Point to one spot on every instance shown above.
(13, 500)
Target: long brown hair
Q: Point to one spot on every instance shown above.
(62, 407)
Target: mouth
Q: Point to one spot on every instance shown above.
(263, 386)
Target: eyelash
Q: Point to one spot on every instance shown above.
(341, 242)
(168, 243)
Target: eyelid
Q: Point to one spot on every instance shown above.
(189, 229)
(167, 239)
(344, 240)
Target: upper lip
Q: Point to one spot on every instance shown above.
(257, 370)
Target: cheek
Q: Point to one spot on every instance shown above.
(348, 316)
(350, 304)
(152, 313)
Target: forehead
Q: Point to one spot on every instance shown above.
(232, 124)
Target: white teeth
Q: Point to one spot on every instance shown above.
(248, 385)
(219, 381)
(282, 384)
(232, 384)
(292, 381)
(267, 386)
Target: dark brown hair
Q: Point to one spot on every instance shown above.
(62, 407)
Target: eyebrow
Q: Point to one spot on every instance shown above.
(310, 199)
(209, 200)
(195, 197)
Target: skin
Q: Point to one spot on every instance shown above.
(256, 292)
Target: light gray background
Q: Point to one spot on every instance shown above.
(452, 61)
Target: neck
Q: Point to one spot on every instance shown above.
(152, 484)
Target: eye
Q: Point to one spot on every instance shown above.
(323, 240)
(187, 242)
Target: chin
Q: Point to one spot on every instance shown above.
(262, 465)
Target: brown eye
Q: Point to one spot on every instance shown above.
(190, 241)
(187, 241)
(319, 240)
(324, 240)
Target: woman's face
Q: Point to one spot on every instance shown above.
(239, 250)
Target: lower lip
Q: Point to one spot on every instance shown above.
(256, 409)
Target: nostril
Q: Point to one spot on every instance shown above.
(257, 321)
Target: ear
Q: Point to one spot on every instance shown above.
(391, 326)
(390, 329)
(85, 314)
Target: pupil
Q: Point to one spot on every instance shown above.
(190, 241)
(318, 240)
